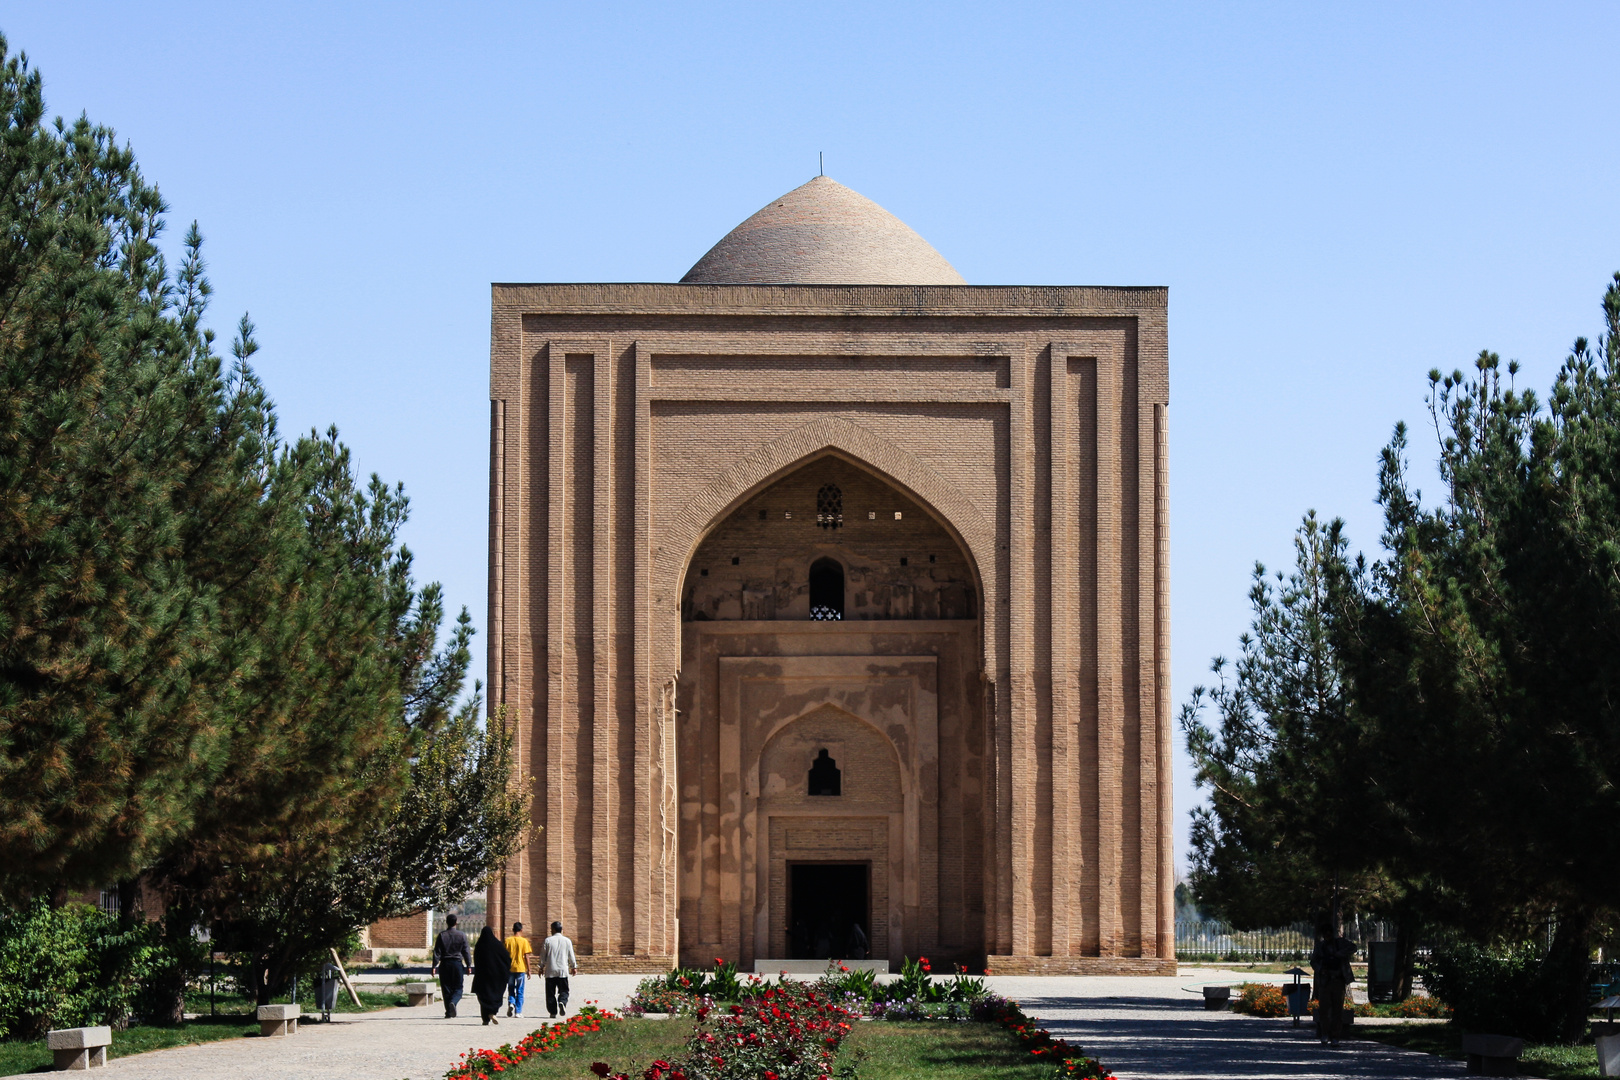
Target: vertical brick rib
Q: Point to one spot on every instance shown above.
(1146, 914)
(1062, 597)
(670, 621)
(1110, 659)
(511, 877)
(1020, 618)
(1166, 910)
(554, 586)
(1088, 896)
(604, 728)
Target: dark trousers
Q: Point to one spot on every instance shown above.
(452, 977)
(1330, 1008)
(556, 995)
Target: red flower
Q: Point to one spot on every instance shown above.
(601, 1068)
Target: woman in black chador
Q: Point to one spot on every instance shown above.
(491, 965)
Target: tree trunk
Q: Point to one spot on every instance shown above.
(1565, 972)
(1405, 949)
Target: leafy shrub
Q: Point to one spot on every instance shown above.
(1421, 1005)
(1261, 999)
(390, 960)
(1502, 993)
(70, 967)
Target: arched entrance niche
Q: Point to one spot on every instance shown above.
(777, 667)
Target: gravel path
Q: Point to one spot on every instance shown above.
(1142, 1028)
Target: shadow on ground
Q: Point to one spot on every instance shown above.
(1154, 1038)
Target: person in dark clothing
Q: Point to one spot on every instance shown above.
(1330, 968)
(451, 959)
(491, 965)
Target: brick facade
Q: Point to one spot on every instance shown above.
(996, 693)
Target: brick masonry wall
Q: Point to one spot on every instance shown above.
(629, 420)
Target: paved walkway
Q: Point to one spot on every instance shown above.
(1151, 1029)
(1142, 1028)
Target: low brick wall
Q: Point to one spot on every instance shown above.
(625, 965)
(1081, 965)
(406, 932)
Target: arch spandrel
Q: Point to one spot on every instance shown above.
(687, 528)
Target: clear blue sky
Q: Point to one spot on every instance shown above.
(1339, 198)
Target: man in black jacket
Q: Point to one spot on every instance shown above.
(451, 959)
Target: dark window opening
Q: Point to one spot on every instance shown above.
(826, 590)
(930, 559)
(762, 515)
(829, 507)
(904, 561)
(826, 778)
(735, 560)
(703, 573)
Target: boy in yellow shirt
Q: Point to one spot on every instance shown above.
(518, 948)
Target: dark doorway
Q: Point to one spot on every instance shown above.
(827, 902)
(826, 589)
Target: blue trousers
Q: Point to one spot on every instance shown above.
(515, 985)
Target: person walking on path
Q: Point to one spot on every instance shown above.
(490, 968)
(1330, 968)
(518, 950)
(451, 959)
(557, 961)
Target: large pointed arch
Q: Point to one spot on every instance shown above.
(819, 438)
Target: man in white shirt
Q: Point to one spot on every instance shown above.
(557, 963)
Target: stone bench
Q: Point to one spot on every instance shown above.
(1217, 997)
(80, 1048)
(278, 1020)
(421, 993)
(1493, 1055)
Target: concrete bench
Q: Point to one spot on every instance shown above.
(421, 993)
(1493, 1055)
(80, 1048)
(278, 1020)
(1217, 997)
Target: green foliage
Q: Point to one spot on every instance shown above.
(133, 494)
(69, 967)
(1499, 992)
(1284, 757)
(1454, 700)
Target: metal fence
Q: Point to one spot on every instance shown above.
(468, 922)
(1212, 940)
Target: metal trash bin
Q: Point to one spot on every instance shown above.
(326, 990)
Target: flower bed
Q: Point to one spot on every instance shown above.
(1261, 999)
(483, 1064)
(784, 1032)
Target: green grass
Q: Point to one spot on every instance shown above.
(939, 1051)
(1445, 1040)
(881, 1050)
(22, 1057)
(630, 1045)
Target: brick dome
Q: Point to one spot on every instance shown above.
(822, 233)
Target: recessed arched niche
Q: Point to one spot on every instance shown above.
(829, 541)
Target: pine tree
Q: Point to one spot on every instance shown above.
(133, 484)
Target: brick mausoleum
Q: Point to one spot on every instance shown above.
(829, 591)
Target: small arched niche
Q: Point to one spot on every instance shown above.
(830, 540)
(826, 778)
